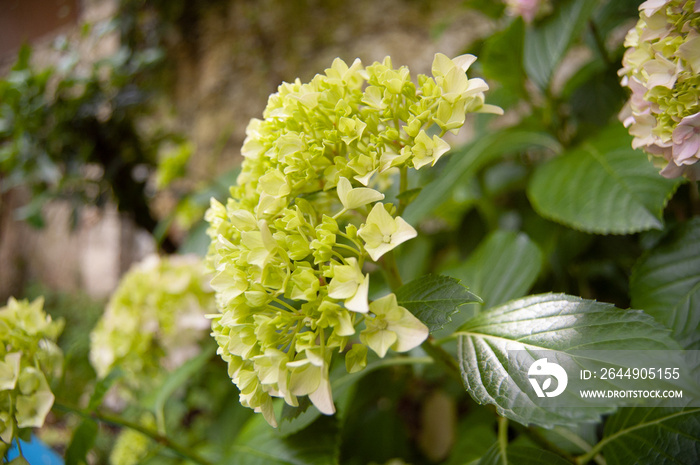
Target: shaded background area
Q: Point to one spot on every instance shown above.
(210, 66)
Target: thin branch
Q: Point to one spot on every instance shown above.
(154, 435)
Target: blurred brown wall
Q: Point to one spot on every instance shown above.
(28, 20)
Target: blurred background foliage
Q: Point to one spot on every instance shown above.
(117, 130)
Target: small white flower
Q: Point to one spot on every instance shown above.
(383, 233)
(392, 326)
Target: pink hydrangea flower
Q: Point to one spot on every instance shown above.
(686, 140)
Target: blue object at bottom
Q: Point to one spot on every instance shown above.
(35, 452)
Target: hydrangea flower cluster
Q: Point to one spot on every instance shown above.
(154, 319)
(28, 355)
(290, 246)
(662, 69)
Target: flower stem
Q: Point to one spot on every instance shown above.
(442, 358)
(391, 270)
(115, 420)
(503, 438)
(403, 187)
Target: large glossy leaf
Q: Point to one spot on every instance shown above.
(650, 436)
(494, 372)
(466, 162)
(547, 42)
(260, 444)
(433, 299)
(503, 267)
(666, 283)
(603, 186)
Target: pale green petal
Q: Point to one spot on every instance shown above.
(338, 289)
(405, 232)
(442, 65)
(358, 302)
(476, 86)
(230, 283)
(274, 183)
(464, 61)
(491, 109)
(380, 217)
(32, 409)
(9, 371)
(410, 331)
(268, 413)
(455, 84)
(378, 340)
(364, 180)
(252, 240)
(343, 188)
(356, 358)
(267, 239)
(383, 306)
(305, 379)
(376, 252)
(371, 234)
(358, 197)
(322, 398)
(344, 326)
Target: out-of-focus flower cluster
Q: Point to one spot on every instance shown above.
(28, 356)
(662, 69)
(131, 446)
(154, 320)
(528, 9)
(290, 245)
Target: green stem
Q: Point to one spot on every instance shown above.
(442, 358)
(154, 435)
(503, 439)
(403, 187)
(391, 270)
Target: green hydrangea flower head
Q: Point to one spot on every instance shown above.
(662, 69)
(29, 358)
(154, 320)
(289, 248)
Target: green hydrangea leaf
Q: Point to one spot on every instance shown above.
(666, 283)
(603, 186)
(546, 43)
(503, 267)
(647, 436)
(434, 298)
(493, 375)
